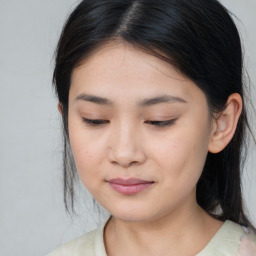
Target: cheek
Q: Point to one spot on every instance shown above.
(181, 155)
(87, 153)
(180, 170)
(88, 161)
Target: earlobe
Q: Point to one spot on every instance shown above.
(60, 108)
(225, 124)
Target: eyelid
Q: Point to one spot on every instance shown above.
(164, 123)
(98, 122)
(94, 122)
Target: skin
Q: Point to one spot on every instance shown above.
(163, 219)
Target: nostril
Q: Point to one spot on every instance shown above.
(123, 164)
(134, 163)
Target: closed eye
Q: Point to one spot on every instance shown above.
(162, 123)
(95, 122)
(98, 122)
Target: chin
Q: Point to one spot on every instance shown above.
(127, 215)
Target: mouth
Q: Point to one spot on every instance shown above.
(129, 186)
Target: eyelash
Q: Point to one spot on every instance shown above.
(98, 122)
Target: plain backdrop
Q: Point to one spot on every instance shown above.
(32, 216)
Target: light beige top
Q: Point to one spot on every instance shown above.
(230, 240)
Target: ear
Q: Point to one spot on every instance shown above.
(60, 108)
(224, 125)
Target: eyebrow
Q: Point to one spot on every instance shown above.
(144, 103)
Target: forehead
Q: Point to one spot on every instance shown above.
(119, 69)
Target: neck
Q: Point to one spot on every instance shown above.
(177, 234)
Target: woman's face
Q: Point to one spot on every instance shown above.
(143, 155)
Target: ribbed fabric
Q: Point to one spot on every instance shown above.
(230, 240)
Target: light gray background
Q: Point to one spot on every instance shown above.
(32, 216)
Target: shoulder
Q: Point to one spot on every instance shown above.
(231, 239)
(91, 244)
(247, 246)
(83, 245)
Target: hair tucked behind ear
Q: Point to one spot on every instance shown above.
(199, 38)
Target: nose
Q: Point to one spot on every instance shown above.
(126, 147)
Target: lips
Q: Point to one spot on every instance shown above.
(129, 186)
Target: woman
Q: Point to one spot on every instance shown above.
(151, 96)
